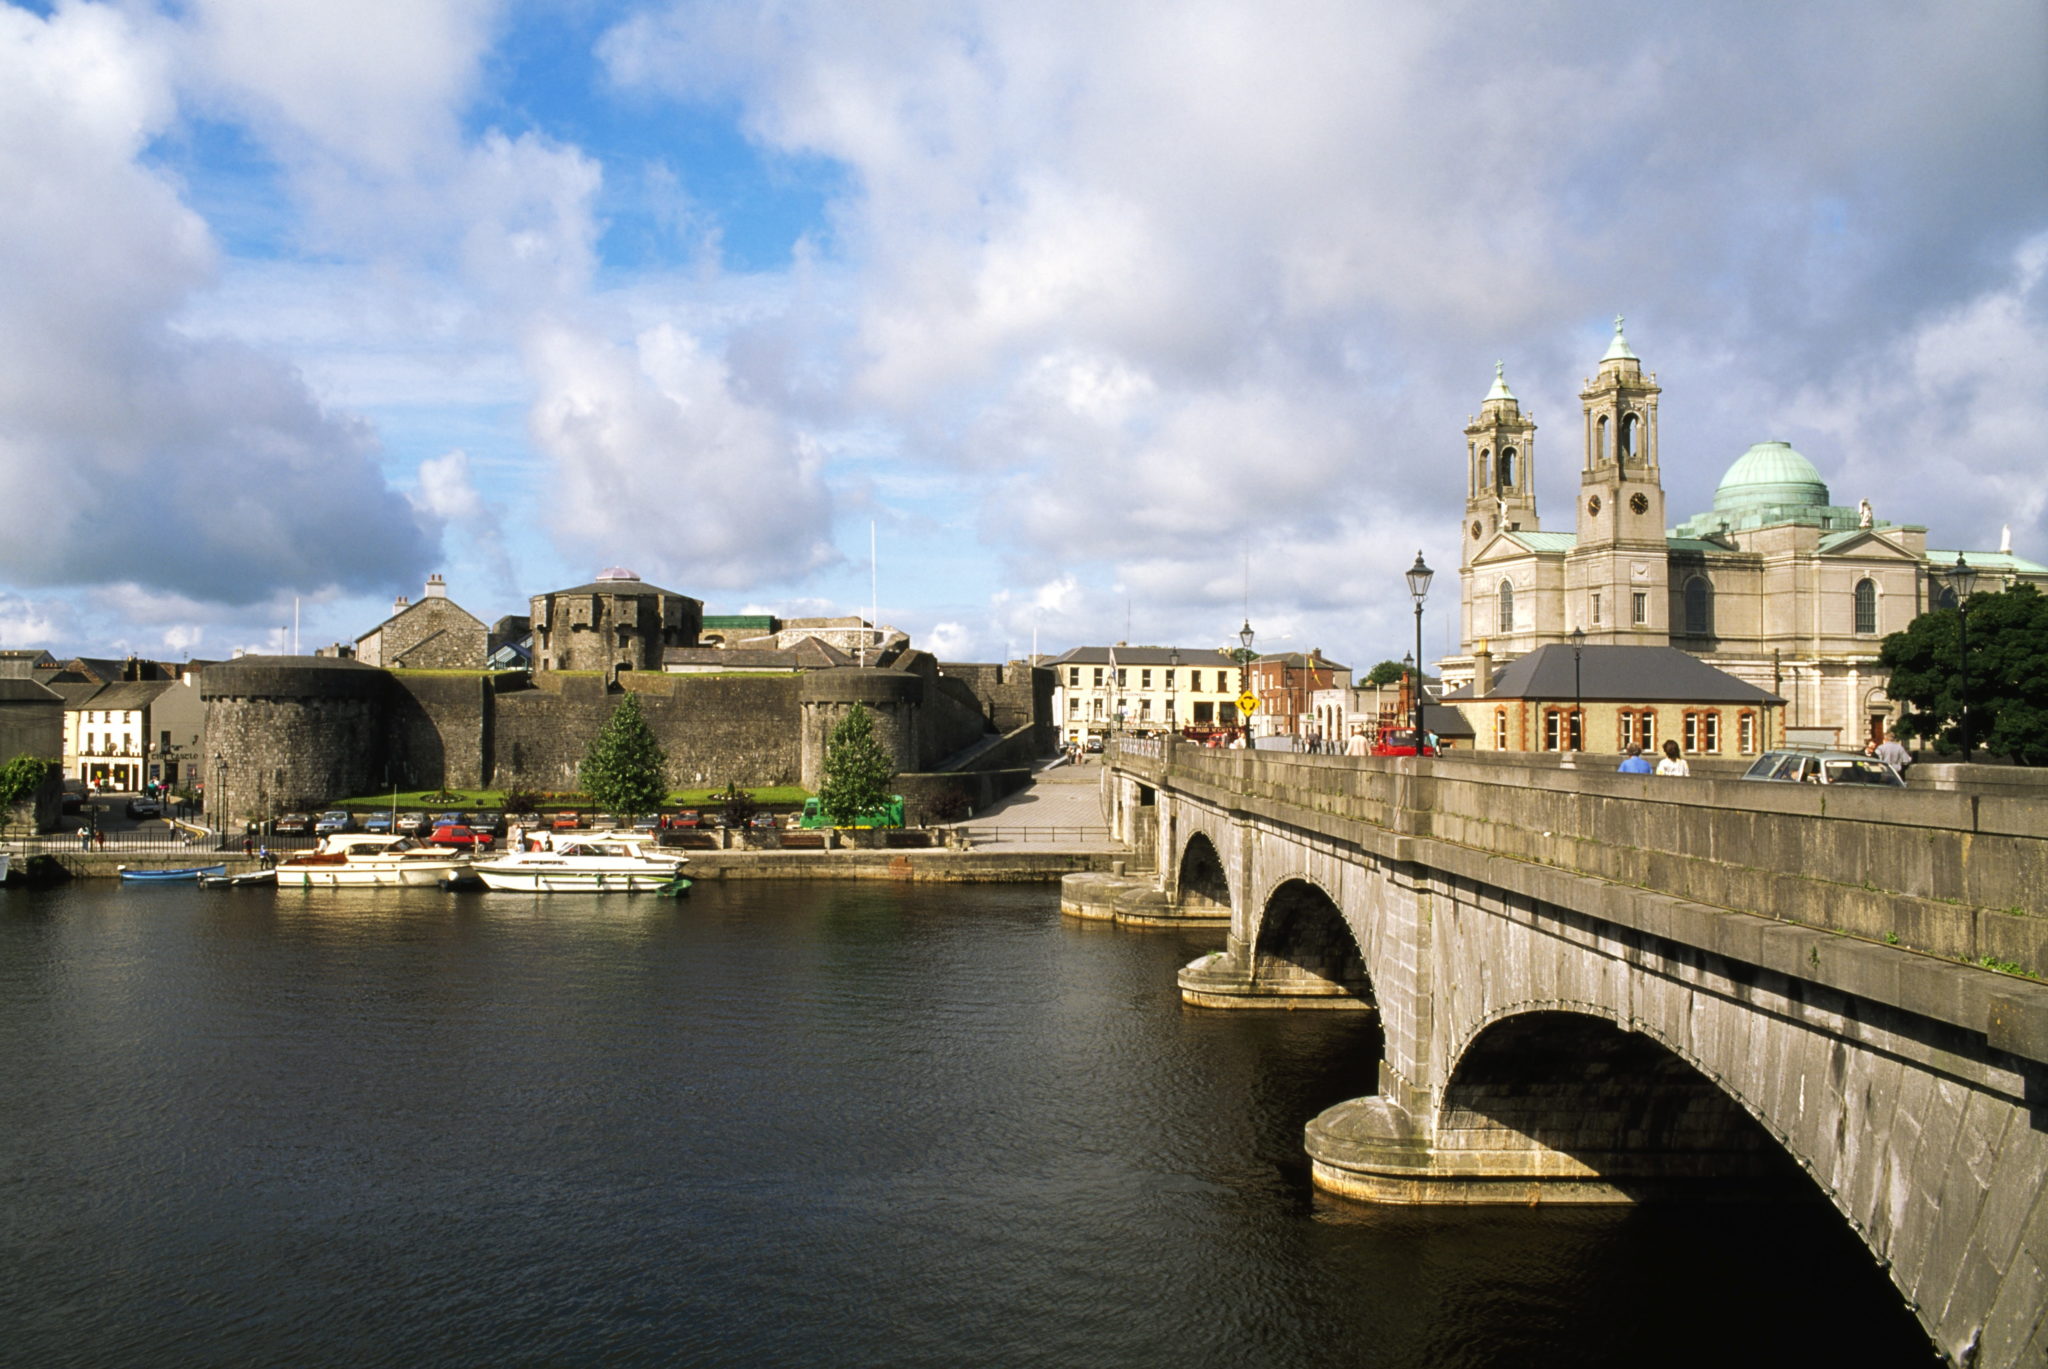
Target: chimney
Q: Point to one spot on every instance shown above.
(398, 605)
(1482, 671)
(437, 588)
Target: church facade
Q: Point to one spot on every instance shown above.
(1775, 584)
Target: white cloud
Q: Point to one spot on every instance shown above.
(140, 452)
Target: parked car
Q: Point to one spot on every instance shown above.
(1093, 746)
(462, 836)
(566, 822)
(377, 822)
(647, 822)
(688, 817)
(144, 808)
(491, 822)
(413, 824)
(1400, 741)
(1823, 767)
(294, 825)
(763, 822)
(333, 820)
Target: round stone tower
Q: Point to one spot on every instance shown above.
(290, 732)
(616, 622)
(894, 699)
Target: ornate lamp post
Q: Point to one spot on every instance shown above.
(1578, 635)
(1419, 576)
(1244, 675)
(1962, 578)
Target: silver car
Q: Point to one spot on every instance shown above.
(1823, 767)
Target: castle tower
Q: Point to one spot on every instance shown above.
(1617, 578)
(1500, 488)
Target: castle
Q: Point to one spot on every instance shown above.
(288, 732)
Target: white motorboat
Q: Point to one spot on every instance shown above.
(586, 863)
(357, 860)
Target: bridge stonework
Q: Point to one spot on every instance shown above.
(1599, 988)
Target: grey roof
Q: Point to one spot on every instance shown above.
(15, 690)
(123, 698)
(1621, 674)
(1298, 661)
(1203, 656)
(626, 587)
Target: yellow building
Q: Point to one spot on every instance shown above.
(1142, 690)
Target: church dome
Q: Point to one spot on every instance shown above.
(1770, 475)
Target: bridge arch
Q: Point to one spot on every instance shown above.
(1306, 950)
(1594, 1111)
(1201, 884)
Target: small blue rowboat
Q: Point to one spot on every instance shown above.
(189, 875)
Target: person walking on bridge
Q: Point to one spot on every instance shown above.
(1673, 763)
(1633, 763)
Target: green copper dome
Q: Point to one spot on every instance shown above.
(1770, 475)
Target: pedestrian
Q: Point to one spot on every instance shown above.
(1673, 763)
(248, 843)
(1358, 745)
(85, 838)
(1633, 763)
(99, 837)
(1894, 754)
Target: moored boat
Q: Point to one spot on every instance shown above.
(190, 874)
(587, 863)
(245, 877)
(363, 860)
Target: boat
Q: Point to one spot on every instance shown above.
(190, 874)
(245, 877)
(355, 860)
(588, 863)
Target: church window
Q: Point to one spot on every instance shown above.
(1507, 607)
(1507, 467)
(1630, 427)
(1600, 453)
(1639, 607)
(1699, 606)
(1596, 608)
(1866, 606)
(1485, 466)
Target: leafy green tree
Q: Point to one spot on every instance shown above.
(20, 778)
(2008, 675)
(625, 771)
(857, 771)
(1385, 673)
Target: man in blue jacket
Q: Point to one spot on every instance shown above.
(1633, 763)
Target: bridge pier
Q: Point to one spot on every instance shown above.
(1133, 901)
(1232, 978)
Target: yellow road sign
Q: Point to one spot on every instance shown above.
(1247, 703)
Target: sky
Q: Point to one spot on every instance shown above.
(1097, 321)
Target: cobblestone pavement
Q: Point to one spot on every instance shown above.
(1060, 810)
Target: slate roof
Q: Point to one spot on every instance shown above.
(807, 654)
(1297, 661)
(122, 698)
(625, 587)
(1204, 657)
(1621, 674)
(15, 690)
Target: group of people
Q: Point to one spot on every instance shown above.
(1636, 763)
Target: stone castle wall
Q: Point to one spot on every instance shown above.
(715, 731)
(286, 733)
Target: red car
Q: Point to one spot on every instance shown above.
(455, 834)
(1400, 741)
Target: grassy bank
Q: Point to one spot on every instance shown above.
(791, 795)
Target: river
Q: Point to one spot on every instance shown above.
(770, 1124)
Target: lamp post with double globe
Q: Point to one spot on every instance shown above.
(1419, 576)
(1962, 578)
(1244, 675)
(1578, 635)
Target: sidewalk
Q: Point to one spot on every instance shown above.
(1061, 809)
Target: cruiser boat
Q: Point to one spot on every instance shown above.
(586, 862)
(357, 860)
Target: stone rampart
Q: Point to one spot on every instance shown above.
(715, 730)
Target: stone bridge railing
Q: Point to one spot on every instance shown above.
(1956, 876)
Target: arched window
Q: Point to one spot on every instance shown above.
(1866, 606)
(1485, 467)
(1630, 427)
(1507, 468)
(1600, 452)
(1944, 597)
(1699, 606)
(1507, 607)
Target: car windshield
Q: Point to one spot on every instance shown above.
(1860, 771)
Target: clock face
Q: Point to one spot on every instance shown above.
(1639, 502)
(1593, 506)
(1475, 529)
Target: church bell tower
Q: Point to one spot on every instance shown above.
(1617, 577)
(1500, 492)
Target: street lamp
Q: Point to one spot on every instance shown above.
(220, 798)
(1419, 576)
(1578, 635)
(1244, 675)
(1962, 578)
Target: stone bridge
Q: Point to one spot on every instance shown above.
(1598, 987)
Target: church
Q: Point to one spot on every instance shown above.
(1775, 584)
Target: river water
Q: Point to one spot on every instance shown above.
(770, 1124)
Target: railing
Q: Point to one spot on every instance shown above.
(1049, 835)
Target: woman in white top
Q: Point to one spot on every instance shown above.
(1673, 763)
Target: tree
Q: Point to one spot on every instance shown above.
(20, 778)
(1385, 673)
(626, 771)
(857, 772)
(2008, 675)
